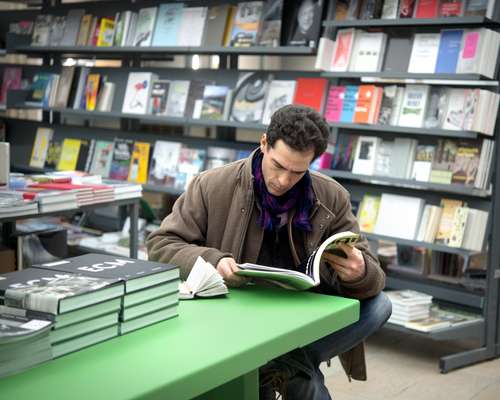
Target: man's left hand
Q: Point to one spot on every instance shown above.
(349, 269)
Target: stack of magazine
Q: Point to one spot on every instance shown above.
(24, 341)
(151, 289)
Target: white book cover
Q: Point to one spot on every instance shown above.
(177, 98)
(424, 53)
(455, 110)
(368, 53)
(326, 47)
(414, 106)
(366, 155)
(390, 9)
(280, 94)
(164, 162)
(138, 92)
(145, 26)
(399, 216)
(344, 45)
(192, 26)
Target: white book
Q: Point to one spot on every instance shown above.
(177, 98)
(368, 53)
(475, 230)
(326, 47)
(399, 216)
(344, 45)
(403, 156)
(138, 92)
(129, 33)
(192, 26)
(366, 155)
(455, 110)
(105, 99)
(426, 216)
(414, 106)
(163, 168)
(390, 9)
(280, 94)
(144, 27)
(398, 104)
(202, 281)
(424, 53)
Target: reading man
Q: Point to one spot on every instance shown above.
(270, 209)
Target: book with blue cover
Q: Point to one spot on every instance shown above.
(168, 24)
(449, 51)
(349, 106)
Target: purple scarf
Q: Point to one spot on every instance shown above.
(299, 197)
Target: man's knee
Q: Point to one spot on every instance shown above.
(377, 309)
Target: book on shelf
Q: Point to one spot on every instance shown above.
(365, 155)
(72, 27)
(334, 103)
(279, 94)
(64, 87)
(41, 30)
(477, 7)
(445, 228)
(414, 106)
(249, 96)
(43, 137)
(69, 154)
(306, 23)
(106, 32)
(190, 164)
(164, 163)
(311, 92)
(451, 8)
(159, 96)
(424, 53)
(136, 274)
(178, 94)
(397, 53)
(368, 52)
(143, 34)
(203, 281)
(368, 213)
(399, 216)
(422, 164)
(213, 104)
(449, 51)
(370, 9)
(343, 49)
(138, 92)
(102, 158)
(192, 26)
(349, 103)
(269, 33)
(84, 30)
(406, 8)
(426, 9)
(11, 80)
(138, 171)
(294, 279)
(91, 90)
(368, 104)
(219, 156)
(246, 23)
(390, 9)
(105, 97)
(215, 26)
(54, 292)
(120, 163)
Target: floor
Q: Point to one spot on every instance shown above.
(406, 367)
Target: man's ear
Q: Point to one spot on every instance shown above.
(263, 142)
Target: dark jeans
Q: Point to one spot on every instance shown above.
(302, 365)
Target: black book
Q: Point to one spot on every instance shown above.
(397, 54)
(136, 274)
(54, 292)
(370, 9)
(306, 23)
(83, 154)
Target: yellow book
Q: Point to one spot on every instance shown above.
(91, 90)
(138, 171)
(106, 33)
(40, 147)
(229, 25)
(69, 154)
(368, 213)
(445, 229)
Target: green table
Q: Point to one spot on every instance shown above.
(213, 348)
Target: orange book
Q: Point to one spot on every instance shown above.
(311, 92)
(91, 90)
(364, 105)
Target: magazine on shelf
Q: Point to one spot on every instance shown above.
(293, 279)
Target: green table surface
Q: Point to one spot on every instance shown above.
(211, 342)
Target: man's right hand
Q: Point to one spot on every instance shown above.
(227, 268)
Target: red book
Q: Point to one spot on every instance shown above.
(311, 92)
(451, 8)
(12, 77)
(426, 9)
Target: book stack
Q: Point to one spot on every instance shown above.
(440, 318)
(13, 204)
(408, 305)
(123, 190)
(24, 341)
(84, 309)
(151, 289)
(51, 200)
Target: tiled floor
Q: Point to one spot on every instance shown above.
(402, 366)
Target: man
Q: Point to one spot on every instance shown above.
(269, 209)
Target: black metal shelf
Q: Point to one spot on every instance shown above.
(416, 243)
(405, 129)
(411, 184)
(444, 291)
(462, 331)
(479, 79)
(170, 50)
(405, 22)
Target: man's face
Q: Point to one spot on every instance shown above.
(282, 166)
(306, 16)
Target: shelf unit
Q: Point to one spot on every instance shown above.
(487, 331)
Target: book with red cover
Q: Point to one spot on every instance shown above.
(334, 103)
(406, 8)
(426, 9)
(451, 8)
(11, 80)
(310, 92)
(366, 96)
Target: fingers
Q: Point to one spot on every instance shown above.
(227, 268)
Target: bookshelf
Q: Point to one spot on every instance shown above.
(227, 73)
(461, 293)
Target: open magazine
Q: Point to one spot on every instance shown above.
(295, 280)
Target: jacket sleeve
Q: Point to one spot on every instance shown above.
(181, 237)
(373, 282)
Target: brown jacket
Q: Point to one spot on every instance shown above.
(217, 217)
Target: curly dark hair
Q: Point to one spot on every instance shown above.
(302, 128)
